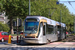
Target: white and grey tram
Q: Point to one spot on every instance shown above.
(39, 29)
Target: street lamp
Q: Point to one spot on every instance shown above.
(60, 13)
(74, 24)
(29, 7)
(60, 18)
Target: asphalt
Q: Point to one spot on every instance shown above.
(24, 46)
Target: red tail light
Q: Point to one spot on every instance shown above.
(33, 37)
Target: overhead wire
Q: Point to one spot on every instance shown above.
(71, 5)
(69, 2)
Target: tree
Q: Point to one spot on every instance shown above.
(46, 8)
(1, 6)
(4, 27)
(14, 9)
(18, 8)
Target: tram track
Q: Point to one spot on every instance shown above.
(69, 38)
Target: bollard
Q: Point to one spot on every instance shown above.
(17, 38)
(9, 39)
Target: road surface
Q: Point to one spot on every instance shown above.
(50, 46)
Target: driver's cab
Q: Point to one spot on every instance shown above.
(31, 27)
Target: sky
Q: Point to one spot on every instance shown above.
(70, 5)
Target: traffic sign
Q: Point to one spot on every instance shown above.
(57, 2)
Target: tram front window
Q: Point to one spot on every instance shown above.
(31, 27)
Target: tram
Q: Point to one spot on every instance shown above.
(41, 30)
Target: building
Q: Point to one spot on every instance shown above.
(3, 18)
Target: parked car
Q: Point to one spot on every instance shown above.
(4, 36)
(21, 33)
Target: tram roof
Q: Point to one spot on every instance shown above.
(49, 21)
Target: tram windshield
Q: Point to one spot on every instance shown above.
(31, 27)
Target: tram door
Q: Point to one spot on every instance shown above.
(59, 34)
(44, 33)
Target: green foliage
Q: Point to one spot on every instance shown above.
(49, 7)
(18, 8)
(20, 28)
(1, 6)
(15, 35)
(4, 27)
(14, 9)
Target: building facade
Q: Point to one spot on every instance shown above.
(3, 18)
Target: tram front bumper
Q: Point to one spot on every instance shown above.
(33, 40)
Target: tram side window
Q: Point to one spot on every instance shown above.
(64, 30)
(50, 29)
(55, 29)
(59, 28)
